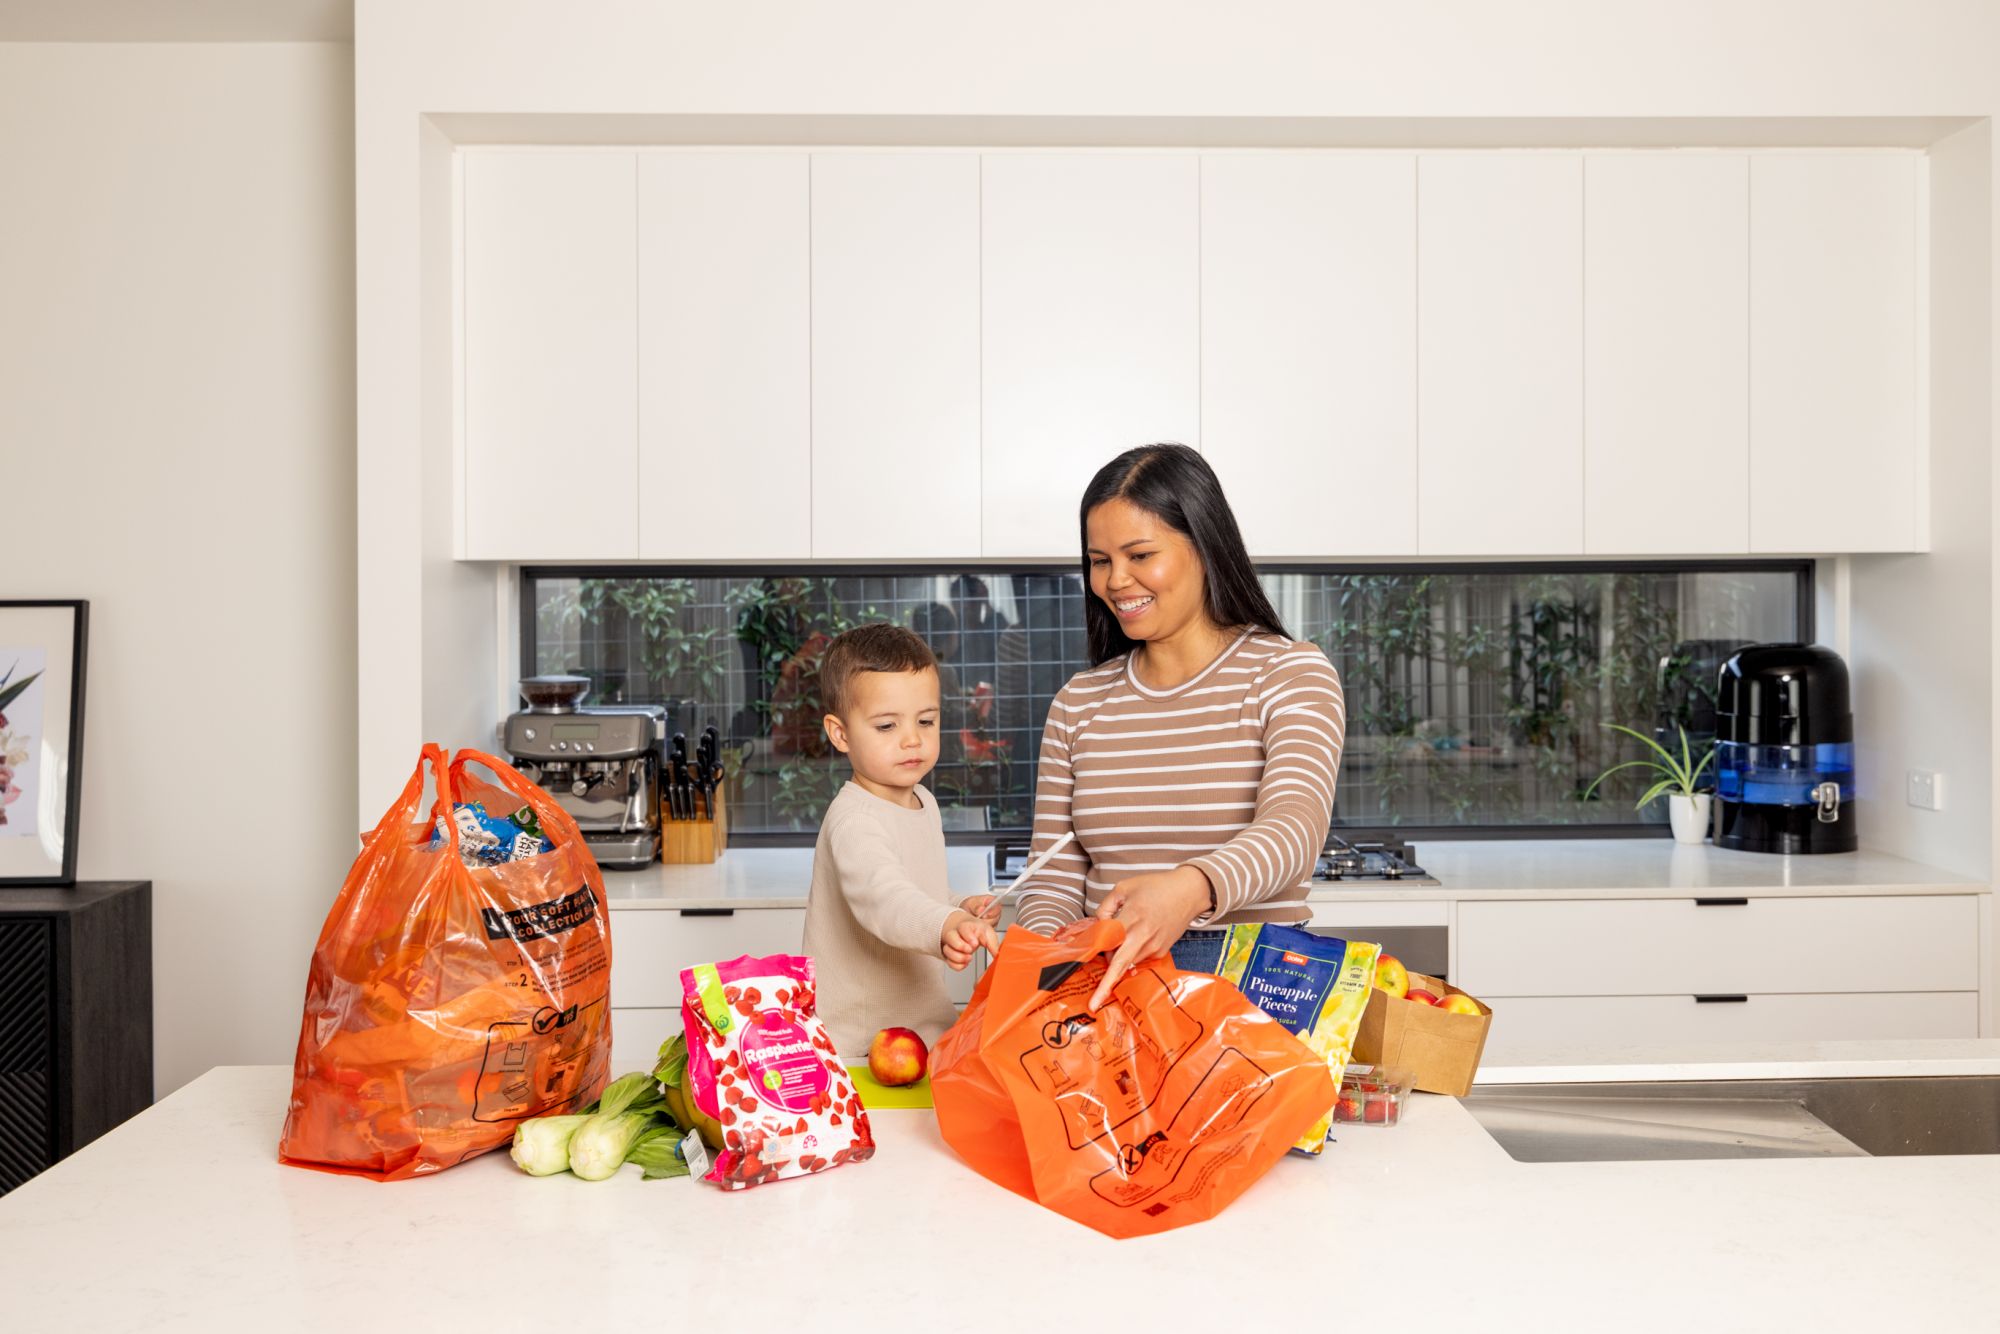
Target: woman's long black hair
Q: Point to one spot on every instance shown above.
(1176, 485)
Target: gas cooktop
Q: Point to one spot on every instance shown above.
(1346, 862)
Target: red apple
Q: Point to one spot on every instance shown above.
(1391, 976)
(1422, 998)
(897, 1056)
(1460, 1003)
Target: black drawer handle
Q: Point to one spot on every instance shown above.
(1721, 1000)
(1722, 903)
(708, 912)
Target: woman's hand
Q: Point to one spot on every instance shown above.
(1156, 909)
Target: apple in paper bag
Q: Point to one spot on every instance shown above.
(1391, 976)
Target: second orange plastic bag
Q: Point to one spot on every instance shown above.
(1153, 1113)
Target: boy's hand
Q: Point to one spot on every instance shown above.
(985, 906)
(963, 935)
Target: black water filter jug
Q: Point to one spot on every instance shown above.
(1784, 751)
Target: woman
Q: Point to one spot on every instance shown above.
(1195, 760)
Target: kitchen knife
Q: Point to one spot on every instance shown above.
(679, 800)
(709, 771)
(687, 789)
(702, 759)
(715, 774)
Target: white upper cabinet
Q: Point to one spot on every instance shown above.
(882, 355)
(895, 355)
(724, 355)
(1837, 449)
(1091, 293)
(1308, 348)
(1666, 289)
(1500, 354)
(549, 316)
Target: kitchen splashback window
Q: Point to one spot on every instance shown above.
(1477, 698)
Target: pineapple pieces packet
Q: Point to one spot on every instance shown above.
(1315, 986)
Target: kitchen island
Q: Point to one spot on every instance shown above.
(183, 1219)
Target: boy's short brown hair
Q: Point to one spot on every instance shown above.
(876, 647)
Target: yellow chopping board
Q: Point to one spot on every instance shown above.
(880, 1097)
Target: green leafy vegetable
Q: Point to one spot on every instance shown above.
(672, 1071)
(631, 1106)
(671, 1068)
(602, 1143)
(541, 1145)
(629, 1093)
(658, 1153)
(629, 1123)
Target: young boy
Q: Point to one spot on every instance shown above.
(881, 914)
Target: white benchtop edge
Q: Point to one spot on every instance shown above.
(1745, 1061)
(1497, 869)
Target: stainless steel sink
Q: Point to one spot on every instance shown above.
(1784, 1118)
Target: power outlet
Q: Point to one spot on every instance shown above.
(1926, 790)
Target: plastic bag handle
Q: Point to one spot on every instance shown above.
(1018, 968)
(552, 815)
(404, 808)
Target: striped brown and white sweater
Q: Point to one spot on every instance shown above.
(1231, 771)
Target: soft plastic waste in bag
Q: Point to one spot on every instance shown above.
(449, 1000)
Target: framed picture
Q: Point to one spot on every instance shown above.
(41, 739)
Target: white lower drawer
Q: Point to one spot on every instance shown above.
(649, 947)
(1651, 947)
(959, 985)
(1524, 1024)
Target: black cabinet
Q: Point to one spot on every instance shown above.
(76, 1018)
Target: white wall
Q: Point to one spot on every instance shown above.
(1184, 71)
(744, 73)
(177, 446)
(1920, 626)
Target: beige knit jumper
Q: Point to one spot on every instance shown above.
(875, 919)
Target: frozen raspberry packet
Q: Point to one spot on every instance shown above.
(761, 1063)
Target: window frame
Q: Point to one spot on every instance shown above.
(1803, 569)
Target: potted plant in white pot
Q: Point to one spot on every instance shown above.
(1679, 781)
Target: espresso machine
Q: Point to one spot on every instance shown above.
(602, 765)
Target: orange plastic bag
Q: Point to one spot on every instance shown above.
(446, 1004)
(1155, 1112)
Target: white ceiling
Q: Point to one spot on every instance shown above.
(176, 20)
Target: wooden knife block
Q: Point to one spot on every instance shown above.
(697, 840)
